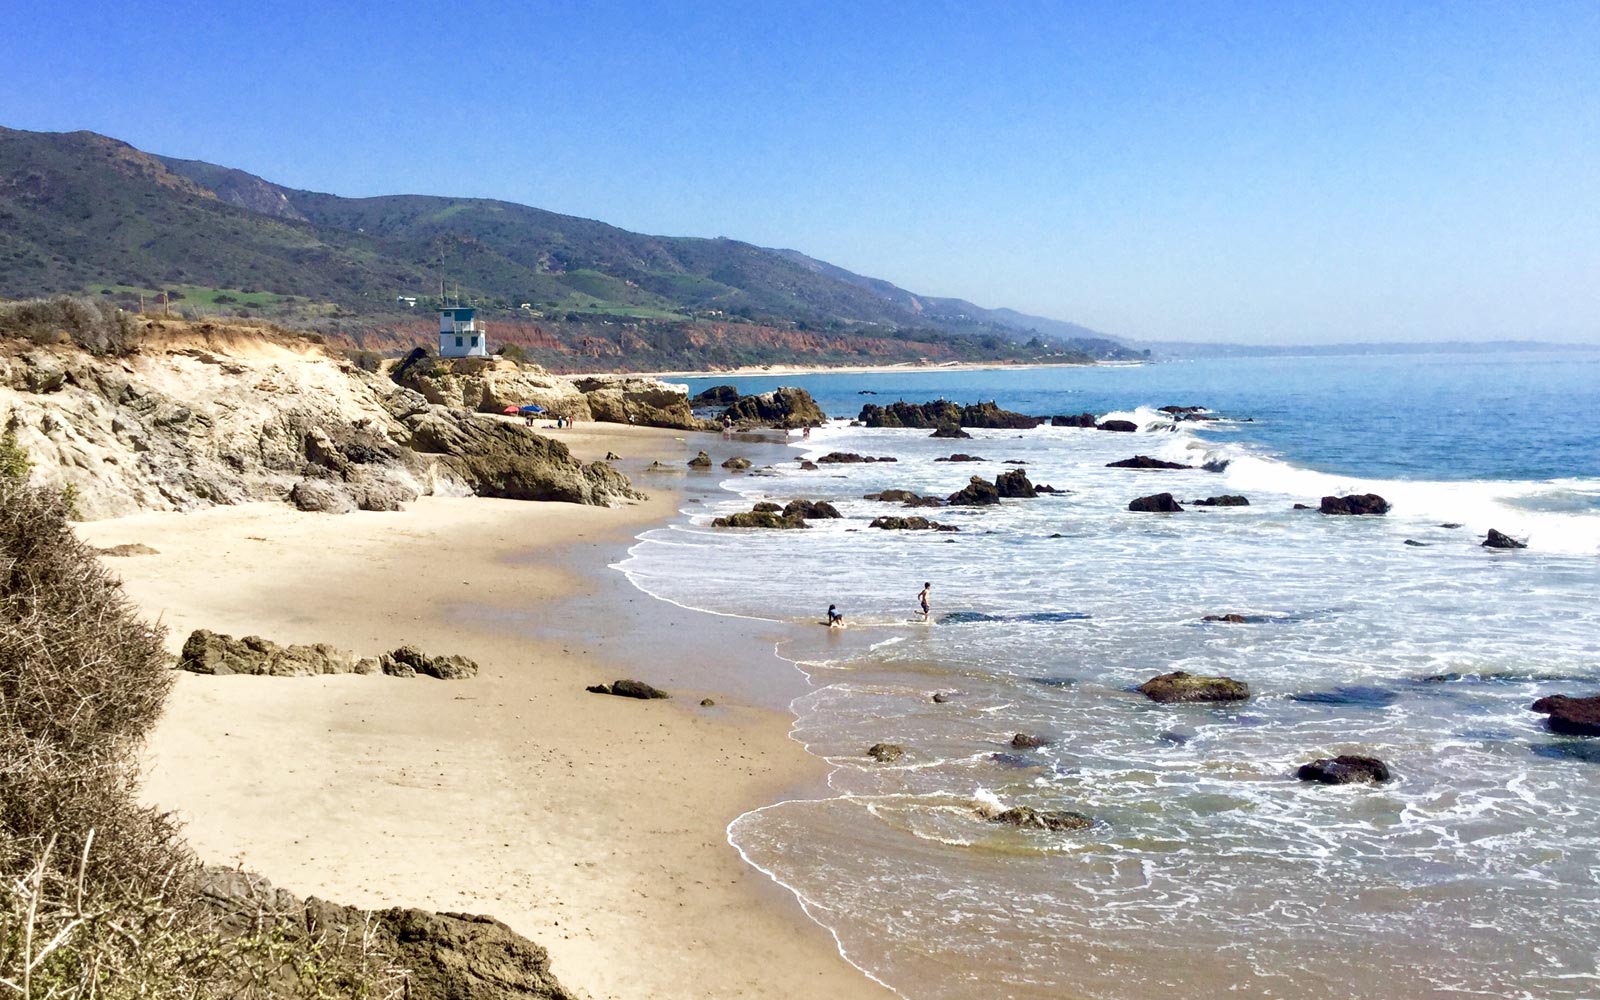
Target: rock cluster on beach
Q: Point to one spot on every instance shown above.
(766, 514)
(208, 652)
(786, 407)
(943, 413)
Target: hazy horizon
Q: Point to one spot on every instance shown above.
(1242, 174)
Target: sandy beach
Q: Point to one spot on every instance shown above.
(593, 825)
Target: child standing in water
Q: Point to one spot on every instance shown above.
(922, 599)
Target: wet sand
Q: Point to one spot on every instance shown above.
(594, 825)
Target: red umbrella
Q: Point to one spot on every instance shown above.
(510, 411)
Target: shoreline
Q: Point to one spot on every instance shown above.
(902, 367)
(595, 826)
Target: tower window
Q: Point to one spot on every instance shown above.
(458, 341)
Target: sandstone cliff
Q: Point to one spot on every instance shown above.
(201, 414)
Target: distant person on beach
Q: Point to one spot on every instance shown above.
(727, 427)
(835, 619)
(922, 599)
(806, 434)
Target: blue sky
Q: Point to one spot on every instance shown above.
(1231, 171)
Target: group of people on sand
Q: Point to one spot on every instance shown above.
(924, 607)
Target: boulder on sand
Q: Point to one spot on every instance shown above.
(1346, 769)
(1571, 716)
(628, 689)
(1180, 686)
(1355, 504)
(1159, 503)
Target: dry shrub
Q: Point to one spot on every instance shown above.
(97, 327)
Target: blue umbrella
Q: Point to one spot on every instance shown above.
(532, 408)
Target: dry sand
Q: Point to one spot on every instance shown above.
(594, 825)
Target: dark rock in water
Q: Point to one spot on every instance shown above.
(1587, 751)
(1126, 426)
(700, 461)
(612, 456)
(1450, 524)
(717, 395)
(841, 458)
(1024, 741)
(737, 463)
(813, 509)
(1145, 462)
(1301, 506)
(950, 431)
(1496, 540)
(940, 697)
(1160, 503)
(885, 753)
(1226, 500)
(962, 456)
(1357, 695)
(1571, 716)
(1180, 686)
(1014, 461)
(636, 689)
(866, 392)
(1345, 769)
(1016, 760)
(786, 407)
(1047, 488)
(942, 413)
(1216, 465)
(1054, 682)
(1029, 818)
(1081, 420)
(1363, 503)
(758, 519)
(906, 497)
(1416, 544)
(977, 493)
(891, 523)
(767, 507)
(1176, 737)
(1231, 619)
(1014, 485)
(808, 465)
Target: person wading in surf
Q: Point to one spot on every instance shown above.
(922, 599)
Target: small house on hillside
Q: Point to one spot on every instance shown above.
(459, 334)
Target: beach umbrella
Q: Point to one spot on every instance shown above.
(533, 408)
(510, 411)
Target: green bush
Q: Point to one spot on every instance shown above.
(97, 327)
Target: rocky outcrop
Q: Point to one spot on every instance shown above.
(758, 519)
(637, 399)
(978, 492)
(1159, 503)
(1014, 485)
(950, 431)
(943, 413)
(408, 661)
(962, 456)
(1230, 619)
(208, 652)
(1080, 420)
(1027, 741)
(1355, 504)
(444, 956)
(1180, 686)
(1495, 540)
(1570, 716)
(1029, 818)
(700, 461)
(737, 463)
(851, 458)
(886, 753)
(500, 459)
(206, 415)
(1346, 769)
(890, 523)
(1125, 426)
(717, 395)
(628, 689)
(489, 385)
(810, 509)
(1146, 462)
(1226, 500)
(785, 407)
(906, 497)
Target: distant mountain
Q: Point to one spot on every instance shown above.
(80, 212)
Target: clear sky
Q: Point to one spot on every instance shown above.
(1278, 171)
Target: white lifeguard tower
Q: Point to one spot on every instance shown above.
(459, 334)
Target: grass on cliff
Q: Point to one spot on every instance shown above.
(98, 893)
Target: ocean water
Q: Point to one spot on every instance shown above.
(1209, 867)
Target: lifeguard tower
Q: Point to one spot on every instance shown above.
(459, 334)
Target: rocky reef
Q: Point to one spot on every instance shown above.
(942, 413)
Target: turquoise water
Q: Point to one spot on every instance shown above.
(1209, 869)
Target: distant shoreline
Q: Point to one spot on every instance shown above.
(749, 371)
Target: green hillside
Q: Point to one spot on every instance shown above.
(80, 212)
